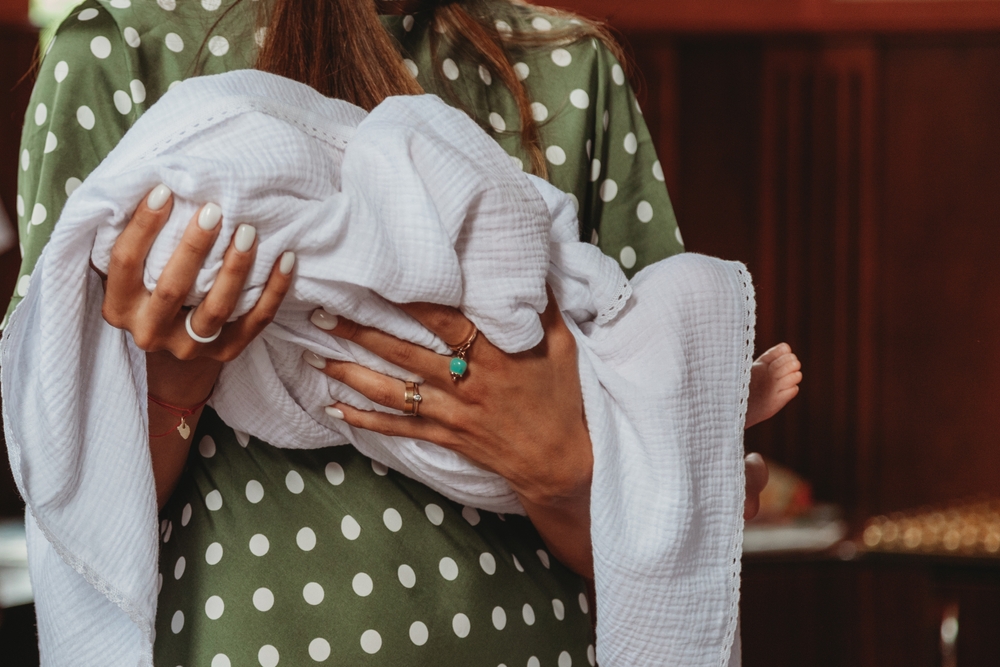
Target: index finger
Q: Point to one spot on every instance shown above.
(448, 323)
(128, 255)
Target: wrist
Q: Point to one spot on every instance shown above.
(180, 382)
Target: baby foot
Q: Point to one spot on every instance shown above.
(774, 381)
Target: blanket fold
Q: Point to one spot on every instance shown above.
(412, 202)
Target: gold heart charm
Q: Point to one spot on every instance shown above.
(184, 429)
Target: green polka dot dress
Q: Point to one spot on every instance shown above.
(277, 557)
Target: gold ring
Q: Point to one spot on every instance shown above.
(411, 398)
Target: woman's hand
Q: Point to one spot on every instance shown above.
(182, 371)
(518, 415)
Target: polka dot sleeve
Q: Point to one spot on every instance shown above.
(84, 101)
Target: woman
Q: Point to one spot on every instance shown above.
(410, 578)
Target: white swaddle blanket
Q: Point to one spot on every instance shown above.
(412, 202)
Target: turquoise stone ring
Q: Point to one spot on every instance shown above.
(459, 363)
(459, 366)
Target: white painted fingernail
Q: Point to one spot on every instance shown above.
(157, 199)
(209, 216)
(323, 320)
(314, 359)
(245, 234)
(334, 412)
(287, 263)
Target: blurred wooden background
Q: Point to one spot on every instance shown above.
(849, 152)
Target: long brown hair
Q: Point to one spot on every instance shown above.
(340, 48)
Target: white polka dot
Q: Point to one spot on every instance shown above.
(517, 564)
(504, 28)
(263, 599)
(590, 145)
(85, 117)
(159, 583)
(538, 23)
(38, 215)
(627, 257)
(497, 121)
(559, 609)
(213, 554)
(544, 557)
(20, 206)
(213, 501)
(23, 283)
(499, 618)
(210, 5)
(522, 71)
(392, 520)
(100, 46)
(533, 662)
(319, 649)
(186, 515)
(138, 91)
(169, 5)
(174, 42)
(576, 202)
(528, 614)
(591, 655)
(539, 111)
(41, 113)
(259, 545)
(259, 35)
(50, 143)
(334, 474)
(350, 527)
(121, 4)
(488, 563)
(122, 102)
(579, 98)
(418, 633)
(407, 576)
(517, 162)
(657, 171)
(434, 514)
(412, 67)
(294, 483)
(448, 568)
(179, 567)
(177, 622)
(631, 143)
(207, 447)
(218, 45)
(214, 607)
(371, 642)
(562, 57)
(461, 625)
(255, 491)
(617, 74)
(408, 23)
(595, 238)
(609, 190)
(485, 75)
(306, 539)
(60, 71)
(267, 656)
(584, 605)
(362, 584)
(471, 515)
(169, 531)
(555, 155)
(644, 211)
(565, 659)
(221, 660)
(313, 593)
(677, 235)
(88, 14)
(450, 69)
(595, 169)
(380, 469)
(25, 160)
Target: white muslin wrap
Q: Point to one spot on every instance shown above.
(412, 202)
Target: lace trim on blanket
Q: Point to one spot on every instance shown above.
(614, 305)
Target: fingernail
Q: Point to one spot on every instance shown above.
(157, 199)
(314, 359)
(245, 234)
(334, 412)
(323, 320)
(209, 216)
(287, 263)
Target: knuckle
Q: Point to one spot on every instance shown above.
(214, 313)
(440, 320)
(169, 293)
(121, 260)
(401, 353)
(144, 340)
(384, 396)
(351, 330)
(192, 245)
